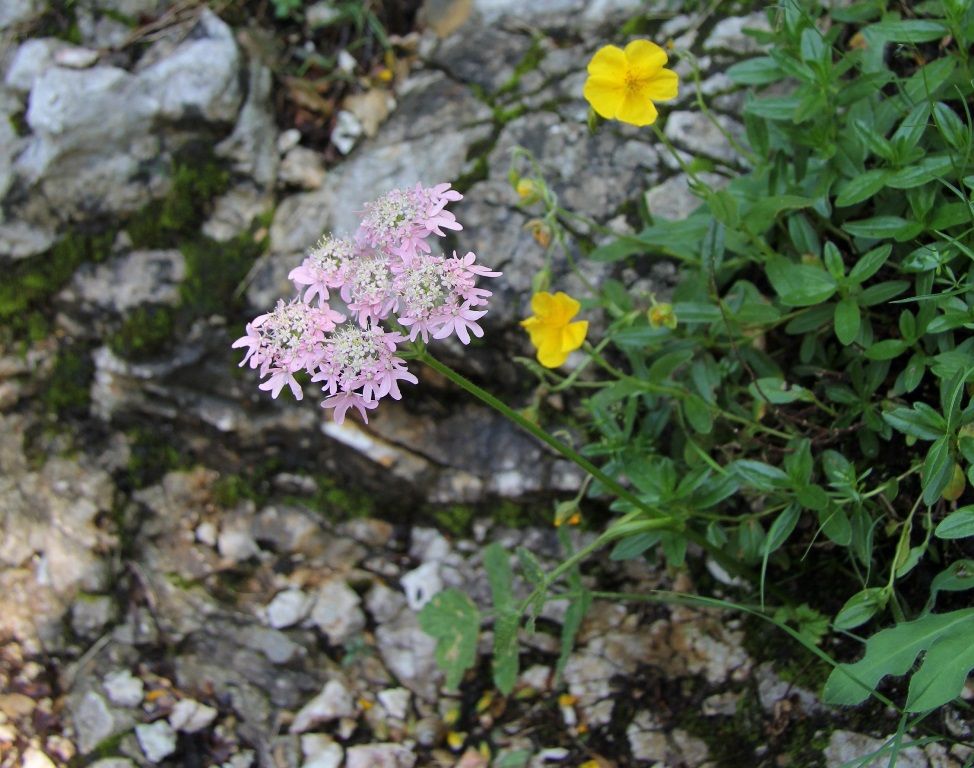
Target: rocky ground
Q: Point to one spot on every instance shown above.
(191, 574)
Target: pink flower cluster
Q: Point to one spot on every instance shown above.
(385, 275)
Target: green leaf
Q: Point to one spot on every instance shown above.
(936, 470)
(860, 608)
(879, 227)
(799, 285)
(777, 391)
(758, 475)
(574, 616)
(773, 108)
(758, 71)
(951, 396)
(696, 312)
(507, 619)
(912, 31)
(530, 566)
(782, 527)
(870, 263)
(943, 671)
(892, 652)
(835, 524)
(862, 187)
(951, 127)
(698, 414)
(635, 545)
(920, 173)
(762, 214)
(712, 248)
(847, 321)
(911, 421)
(886, 349)
(813, 497)
(882, 292)
(454, 621)
(959, 524)
(957, 577)
(666, 364)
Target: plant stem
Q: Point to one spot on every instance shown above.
(533, 429)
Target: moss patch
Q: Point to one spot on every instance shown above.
(152, 453)
(66, 392)
(30, 284)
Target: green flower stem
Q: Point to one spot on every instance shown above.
(568, 452)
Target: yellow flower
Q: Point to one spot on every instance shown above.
(623, 84)
(550, 328)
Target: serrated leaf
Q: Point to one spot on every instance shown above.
(454, 621)
(507, 620)
(530, 566)
(569, 628)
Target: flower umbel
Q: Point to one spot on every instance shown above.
(622, 84)
(551, 329)
(385, 273)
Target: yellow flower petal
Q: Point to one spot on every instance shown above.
(645, 58)
(605, 96)
(609, 62)
(540, 303)
(564, 309)
(663, 86)
(550, 355)
(637, 110)
(573, 336)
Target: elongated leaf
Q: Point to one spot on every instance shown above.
(758, 71)
(957, 577)
(870, 263)
(910, 421)
(936, 470)
(912, 31)
(944, 670)
(454, 621)
(891, 652)
(847, 319)
(800, 285)
(860, 608)
(959, 524)
(530, 566)
(506, 621)
(862, 187)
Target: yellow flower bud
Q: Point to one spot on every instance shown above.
(661, 315)
(540, 231)
(528, 190)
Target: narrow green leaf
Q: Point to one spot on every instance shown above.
(870, 263)
(847, 319)
(860, 608)
(959, 524)
(886, 349)
(799, 285)
(835, 524)
(530, 566)
(861, 187)
(912, 31)
(936, 470)
(761, 70)
(698, 414)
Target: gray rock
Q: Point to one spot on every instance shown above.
(190, 716)
(673, 201)
(275, 645)
(126, 282)
(90, 615)
(846, 747)
(113, 762)
(157, 740)
(200, 77)
(251, 147)
(408, 653)
(696, 133)
(235, 211)
(395, 701)
(336, 611)
(236, 541)
(380, 756)
(772, 689)
(13, 12)
(320, 751)
(30, 61)
(302, 167)
(123, 689)
(422, 584)
(347, 131)
(332, 703)
(728, 34)
(94, 721)
(288, 608)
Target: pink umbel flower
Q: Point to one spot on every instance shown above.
(401, 220)
(287, 340)
(361, 361)
(324, 267)
(387, 275)
(436, 293)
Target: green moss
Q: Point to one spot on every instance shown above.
(454, 518)
(230, 490)
(528, 63)
(152, 453)
(513, 515)
(197, 178)
(67, 390)
(214, 271)
(29, 285)
(143, 334)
